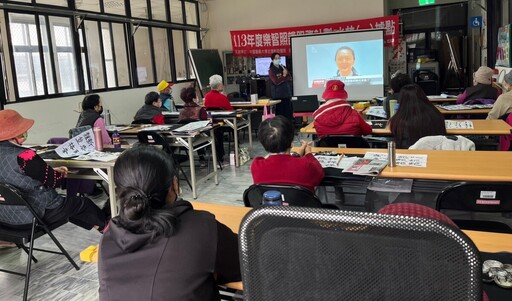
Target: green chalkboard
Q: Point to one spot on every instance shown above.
(206, 62)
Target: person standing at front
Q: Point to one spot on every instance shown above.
(280, 87)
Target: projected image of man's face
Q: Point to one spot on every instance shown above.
(345, 62)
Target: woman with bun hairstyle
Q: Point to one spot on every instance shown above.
(159, 247)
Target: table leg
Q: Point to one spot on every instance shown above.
(214, 154)
(192, 166)
(112, 191)
(235, 135)
(250, 133)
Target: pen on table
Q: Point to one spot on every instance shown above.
(339, 159)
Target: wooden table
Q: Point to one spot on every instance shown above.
(232, 216)
(464, 112)
(246, 105)
(443, 100)
(480, 127)
(487, 166)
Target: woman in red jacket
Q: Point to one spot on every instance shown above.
(336, 116)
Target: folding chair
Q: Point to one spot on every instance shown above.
(11, 197)
(153, 138)
(477, 197)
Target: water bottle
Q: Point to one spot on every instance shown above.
(392, 105)
(98, 140)
(272, 198)
(116, 139)
(391, 154)
(108, 120)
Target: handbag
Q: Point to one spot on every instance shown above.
(267, 113)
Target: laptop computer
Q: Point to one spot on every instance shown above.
(305, 103)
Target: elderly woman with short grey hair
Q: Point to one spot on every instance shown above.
(503, 104)
(215, 98)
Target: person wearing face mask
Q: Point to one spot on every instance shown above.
(91, 115)
(151, 111)
(165, 90)
(280, 86)
(503, 104)
(36, 181)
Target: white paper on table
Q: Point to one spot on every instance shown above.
(377, 111)
(335, 162)
(192, 126)
(410, 160)
(464, 124)
(78, 145)
(98, 156)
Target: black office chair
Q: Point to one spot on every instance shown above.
(142, 121)
(293, 253)
(477, 197)
(11, 197)
(294, 195)
(427, 80)
(153, 138)
(342, 141)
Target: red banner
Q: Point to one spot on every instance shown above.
(263, 42)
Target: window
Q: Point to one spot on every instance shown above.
(139, 9)
(179, 54)
(94, 55)
(191, 13)
(143, 56)
(162, 56)
(176, 11)
(42, 61)
(90, 5)
(78, 49)
(158, 10)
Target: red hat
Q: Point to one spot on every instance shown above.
(13, 125)
(416, 210)
(335, 89)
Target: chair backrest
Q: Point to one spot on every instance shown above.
(343, 141)
(506, 141)
(441, 142)
(290, 253)
(78, 130)
(476, 196)
(294, 195)
(10, 196)
(154, 138)
(142, 121)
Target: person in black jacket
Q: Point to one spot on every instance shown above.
(280, 86)
(159, 247)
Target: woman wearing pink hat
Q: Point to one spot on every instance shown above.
(35, 180)
(336, 116)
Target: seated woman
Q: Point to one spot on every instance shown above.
(396, 84)
(279, 167)
(151, 111)
(215, 98)
(482, 87)
(416, 117)
(36, 181)
(159, 247)
(191, 111)
(91, 115)
(336, 116)
(503, 104)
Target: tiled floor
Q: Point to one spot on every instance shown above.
(53, 278)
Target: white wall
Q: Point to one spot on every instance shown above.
(225, 15)
(54, 117)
